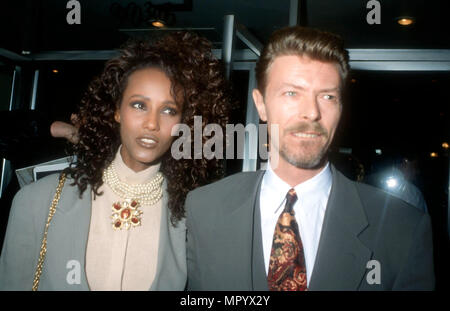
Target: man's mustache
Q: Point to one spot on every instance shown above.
(307, 127)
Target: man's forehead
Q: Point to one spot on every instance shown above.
(302, 63)
(302, 71)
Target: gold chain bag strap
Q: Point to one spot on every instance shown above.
(37, 274)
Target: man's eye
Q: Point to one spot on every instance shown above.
(290, 93)
(329, 97)
(138, 105)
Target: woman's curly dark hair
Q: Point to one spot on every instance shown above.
(197, 80)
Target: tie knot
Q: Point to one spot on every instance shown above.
(291, 197)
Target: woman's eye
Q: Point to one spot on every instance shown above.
(170, 111)
(138, 105)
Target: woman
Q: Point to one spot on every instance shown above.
(118, 224)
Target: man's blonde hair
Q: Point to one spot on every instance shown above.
(302, 41)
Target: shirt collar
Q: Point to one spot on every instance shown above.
(317, 186)
(127, 175)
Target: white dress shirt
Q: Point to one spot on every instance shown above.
(309, 211)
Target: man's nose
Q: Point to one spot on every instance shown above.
(309, 108)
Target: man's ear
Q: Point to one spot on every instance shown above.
(117, 116)
(258, 99)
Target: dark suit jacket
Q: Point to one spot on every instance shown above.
(362, 223)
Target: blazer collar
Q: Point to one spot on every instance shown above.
(341, 257)
(259, 277)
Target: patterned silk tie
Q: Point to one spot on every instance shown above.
(287, 270)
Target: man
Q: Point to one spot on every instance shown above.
(302, 225)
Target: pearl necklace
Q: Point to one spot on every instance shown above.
(126, 214)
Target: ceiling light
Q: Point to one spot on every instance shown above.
(55, 70)
(158, 23)
(405, 21)
(433, 155)
(445, 145)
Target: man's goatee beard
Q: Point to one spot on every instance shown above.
(302, 163)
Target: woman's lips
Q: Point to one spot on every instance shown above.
(147, 142)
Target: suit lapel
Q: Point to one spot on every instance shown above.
(341, 257)
(163, 249)
(171, 266)
(239, 227)
(259, 278)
